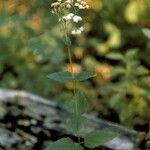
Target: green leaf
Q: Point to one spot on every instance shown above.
(76, 123)
(131, 53)
(97, 138)
(83, 76)
(64, 144)
(79, 104)
(118, 71)
(146, 32)
(62, 77)
(115, 56)
(65, 77)
(141, 70)
(116, 101)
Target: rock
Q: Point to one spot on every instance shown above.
(8, 138)
(29, 121)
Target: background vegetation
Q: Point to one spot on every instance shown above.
(113, 46)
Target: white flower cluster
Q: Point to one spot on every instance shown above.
(77, 31)
(73, 17)
(60, 7)
(56, 4)
(81, 4)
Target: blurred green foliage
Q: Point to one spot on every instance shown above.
(113, 46)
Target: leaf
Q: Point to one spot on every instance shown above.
(65, 77)
(117, 71)
(62, 77)
(64, 144)
(83, 76)
(79, 104)
(131, 53)
(115, 56)
(127, 113)
(116, 101)
(76, 123)
(141, 70)
(146, 32)
(97, 138)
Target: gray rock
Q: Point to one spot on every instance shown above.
(8, 138)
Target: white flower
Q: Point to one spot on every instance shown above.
(55, 4)
(71, 14)
(77, 31)
(81, 29)
(68, 17)
(64, 6)
(81, 4)
(68, 1)
(77, 4)
(81, 7)
(77, 19)
(68, 6)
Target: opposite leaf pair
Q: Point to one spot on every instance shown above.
(64, 77)
(92, 140)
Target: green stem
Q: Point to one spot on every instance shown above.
(74, 85)
(70, 60)
(68, 43)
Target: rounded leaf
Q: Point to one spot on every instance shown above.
(64, 144)
(97, 138)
